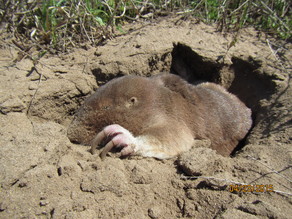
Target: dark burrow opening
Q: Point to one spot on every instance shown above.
(245, 78)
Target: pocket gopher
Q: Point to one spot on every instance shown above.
(160, 116)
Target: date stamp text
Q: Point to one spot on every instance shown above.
(251, 188)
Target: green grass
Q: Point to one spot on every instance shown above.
(61, 24)
(271, 16)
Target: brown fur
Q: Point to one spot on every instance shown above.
(168, 110)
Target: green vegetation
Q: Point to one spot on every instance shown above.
(271, 16)
(63, 23)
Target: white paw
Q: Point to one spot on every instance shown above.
(119, 138)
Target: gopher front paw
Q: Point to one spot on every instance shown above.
(119, 138)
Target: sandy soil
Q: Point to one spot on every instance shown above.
(44, 175)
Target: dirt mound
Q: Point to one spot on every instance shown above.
(44, 175)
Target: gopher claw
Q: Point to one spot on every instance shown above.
(120, 138)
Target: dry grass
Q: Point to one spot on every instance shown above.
(60, 24)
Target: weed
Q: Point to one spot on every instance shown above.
(271, 16)
(64, 23)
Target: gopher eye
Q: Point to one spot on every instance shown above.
(133, 100)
